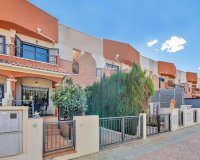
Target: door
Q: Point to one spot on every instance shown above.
(40, 97)
(1, 93)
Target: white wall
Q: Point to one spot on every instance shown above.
(183, 77)
(7, 34)
(149, 65)
(70, 39)
(35, 41)
(31, 83)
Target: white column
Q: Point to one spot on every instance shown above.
(7, 100)
(174, 119)
(142, 117)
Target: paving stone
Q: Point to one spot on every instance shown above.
(183, 144)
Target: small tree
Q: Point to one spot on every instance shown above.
(70, 99)
(121, 94)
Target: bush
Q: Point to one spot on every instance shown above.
(122, 94)
(70, 99)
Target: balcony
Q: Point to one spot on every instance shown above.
(34, 57)
(37, 54)
(4, 49)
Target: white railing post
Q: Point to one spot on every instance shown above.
(142, 125)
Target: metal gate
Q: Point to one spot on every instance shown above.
(118, 129)
(194, 116)
(158, 124)
(180, 118)
(59, 136)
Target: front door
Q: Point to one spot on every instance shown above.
(38, 96)
(1, 93)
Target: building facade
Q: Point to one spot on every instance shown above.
(37, 54)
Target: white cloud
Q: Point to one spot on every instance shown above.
(152, 43)
(174, 44)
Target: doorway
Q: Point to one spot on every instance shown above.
(36, 97)
(1, 93)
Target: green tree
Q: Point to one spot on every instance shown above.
(121, 94)
(70, 99)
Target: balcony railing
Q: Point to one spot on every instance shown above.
(4, 48)
(37, 54)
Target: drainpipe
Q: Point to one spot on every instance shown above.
(116, 58)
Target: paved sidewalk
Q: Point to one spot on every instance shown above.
(183, 144)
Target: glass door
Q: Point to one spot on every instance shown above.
(1, 93)
(38, 97)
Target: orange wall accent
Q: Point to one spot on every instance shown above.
(127, 54)
(13, 75)
(191, 77)
(167, 69)
(25, 18)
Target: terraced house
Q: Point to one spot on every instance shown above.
(37, 53)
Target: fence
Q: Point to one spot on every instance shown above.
(118, 129)
(180, 118)
(28, 103)
(59, 136)
(164, 96)
(158, 124)
(194, 116)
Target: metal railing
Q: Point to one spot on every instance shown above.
(118, 129)
(194, 116)
(50, 57)
(158, 124)
(27, 103)
(180, 118)
(59, 136)
(4, 48)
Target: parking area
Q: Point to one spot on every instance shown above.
(183, 144)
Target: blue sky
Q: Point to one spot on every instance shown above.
(138, 22)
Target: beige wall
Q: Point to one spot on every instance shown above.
(35, 41)
(180, 77)
(31, 83)
(32, 136)
(5, 33)
(9, 33)
(149, 65)
(70, 38)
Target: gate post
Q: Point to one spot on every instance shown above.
(122, 128)
(158, 121)
(169, 121)
(142, 126)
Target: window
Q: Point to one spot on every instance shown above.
(31, 51)
(35, 53)
(99, 72)
(76, 55)
(2, 45)
(113, 67)
(161, 80)
(17, 47)
(28, 52)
